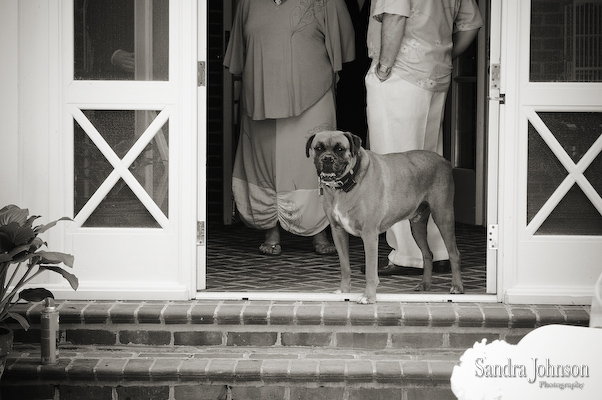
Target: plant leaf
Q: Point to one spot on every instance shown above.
(44, 228)
(20, 251)
(35, 294)
(20, 319)
(72, 279)
(12, 213)
(55, 257)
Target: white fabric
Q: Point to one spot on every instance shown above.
(403, 117)
(273, 181)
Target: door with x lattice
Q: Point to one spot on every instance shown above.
(130, 101)
(551, 150)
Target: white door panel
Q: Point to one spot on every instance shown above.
(552, 142)
(129, 141)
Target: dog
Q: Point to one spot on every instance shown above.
(366, 193)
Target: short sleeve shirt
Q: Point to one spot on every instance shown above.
(424, 58)
(288, 54)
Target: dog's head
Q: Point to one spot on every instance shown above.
(334, 153)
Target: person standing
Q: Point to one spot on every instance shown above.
(412, 45)
(288, 53)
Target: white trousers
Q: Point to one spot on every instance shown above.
(403, 117)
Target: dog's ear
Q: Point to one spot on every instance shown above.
(355, 142)
(308, 144)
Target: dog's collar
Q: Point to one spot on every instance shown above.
(346, 182)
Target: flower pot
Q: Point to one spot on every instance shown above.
(6, 345)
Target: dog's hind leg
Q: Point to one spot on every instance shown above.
(444, 219)
(418, 225)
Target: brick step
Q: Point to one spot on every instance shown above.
(224, 372)
(277, 323)
(262, 349)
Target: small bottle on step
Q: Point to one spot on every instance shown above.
(49, 332)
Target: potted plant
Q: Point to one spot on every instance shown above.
(21, 260)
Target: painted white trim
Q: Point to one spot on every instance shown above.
(494, 125)
(9, 95)
(199, 277)
(384, 297)
(507, 155)
(113, 290)
(549, 295)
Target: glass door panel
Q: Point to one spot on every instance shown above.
(121, 40)
(566, 41)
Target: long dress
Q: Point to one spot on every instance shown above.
(288, 56)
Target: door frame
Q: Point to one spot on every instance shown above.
(488, 175)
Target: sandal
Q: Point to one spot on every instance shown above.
(270, 249)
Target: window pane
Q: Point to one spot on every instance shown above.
(566, 41)
(575, 214)
(121, 129)
(121, 39)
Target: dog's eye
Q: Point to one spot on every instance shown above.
(319, 148)
(340, 149)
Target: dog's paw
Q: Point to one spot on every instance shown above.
(343, 289)
(456, 289)
(366, 300)
(423, 287)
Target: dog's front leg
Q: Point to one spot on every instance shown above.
(371, 252)
(341, 241)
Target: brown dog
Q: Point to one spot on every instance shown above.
(366, 193)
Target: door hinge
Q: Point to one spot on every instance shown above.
(200, 233)
(492, 237)
(495, 85)
(200, 73)
(495, 76)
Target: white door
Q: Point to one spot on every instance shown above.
(550, 150)
(128, 96)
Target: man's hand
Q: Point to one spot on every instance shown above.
(124, 60)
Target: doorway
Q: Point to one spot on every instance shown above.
(232, 247)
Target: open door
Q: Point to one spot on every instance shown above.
(129, 142)
(551, 150)
(465, 130)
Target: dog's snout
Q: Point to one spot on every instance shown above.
(328, 159)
